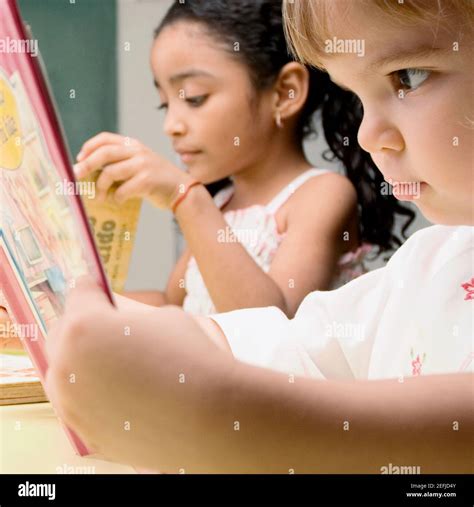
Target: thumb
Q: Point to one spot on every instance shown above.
(85, 298)
(86, 294)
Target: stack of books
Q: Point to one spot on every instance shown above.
(19, 382)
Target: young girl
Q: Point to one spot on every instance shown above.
(237, 106)
(397, 385)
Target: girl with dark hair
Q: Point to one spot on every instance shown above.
(238, 108)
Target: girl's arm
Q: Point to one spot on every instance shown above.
(313, 426)
(342, 427)
(176, 401)
(175, 291)
(147, 297)
(305, 261)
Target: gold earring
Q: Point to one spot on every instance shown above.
(278, 121)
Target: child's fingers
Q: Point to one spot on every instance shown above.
(87, 295)
(101, 139)
(82, 303)
(54, 334)
(120, 171)
(134, 187)
(101, 157)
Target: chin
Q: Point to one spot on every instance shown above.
(198, 174)
(205, 176)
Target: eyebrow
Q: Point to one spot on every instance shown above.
(176, 78)
(408, 57)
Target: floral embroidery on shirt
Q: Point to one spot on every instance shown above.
(469, 288)
(467, 362)
(416, 363)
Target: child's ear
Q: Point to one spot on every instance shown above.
(291, 89)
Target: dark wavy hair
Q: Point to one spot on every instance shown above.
(258, 27)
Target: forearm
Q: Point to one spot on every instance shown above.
(224, 265)
(148, 297)
(334, 427)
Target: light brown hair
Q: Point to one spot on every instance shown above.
(307, 22)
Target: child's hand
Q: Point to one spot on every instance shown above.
(131, 383)
(140, 171)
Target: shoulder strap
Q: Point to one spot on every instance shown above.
(275, 204)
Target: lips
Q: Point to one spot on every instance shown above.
(408, 191)
(187, 156)
(184, 150)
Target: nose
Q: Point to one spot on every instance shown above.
(377, 133)
(173, 124)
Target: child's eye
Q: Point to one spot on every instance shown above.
(196, 101)
(410, 79)
(162, 106)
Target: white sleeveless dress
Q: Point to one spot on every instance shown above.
(257, 231)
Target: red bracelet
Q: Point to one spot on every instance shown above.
(180, 198)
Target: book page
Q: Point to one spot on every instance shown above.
(38, 222)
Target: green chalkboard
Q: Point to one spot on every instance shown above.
(77, 41)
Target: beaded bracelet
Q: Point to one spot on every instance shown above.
(182, 195)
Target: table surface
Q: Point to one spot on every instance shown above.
(32, 441)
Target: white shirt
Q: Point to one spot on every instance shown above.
(414, 316)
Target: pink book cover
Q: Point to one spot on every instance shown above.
(45, 239)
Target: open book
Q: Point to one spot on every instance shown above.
(46, 240)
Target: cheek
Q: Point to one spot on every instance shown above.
(234, 130)
(438, 143)
(228, 119)
(232, 135)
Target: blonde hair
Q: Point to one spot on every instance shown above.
(307, 22)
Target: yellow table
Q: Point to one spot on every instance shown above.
(32, 441)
